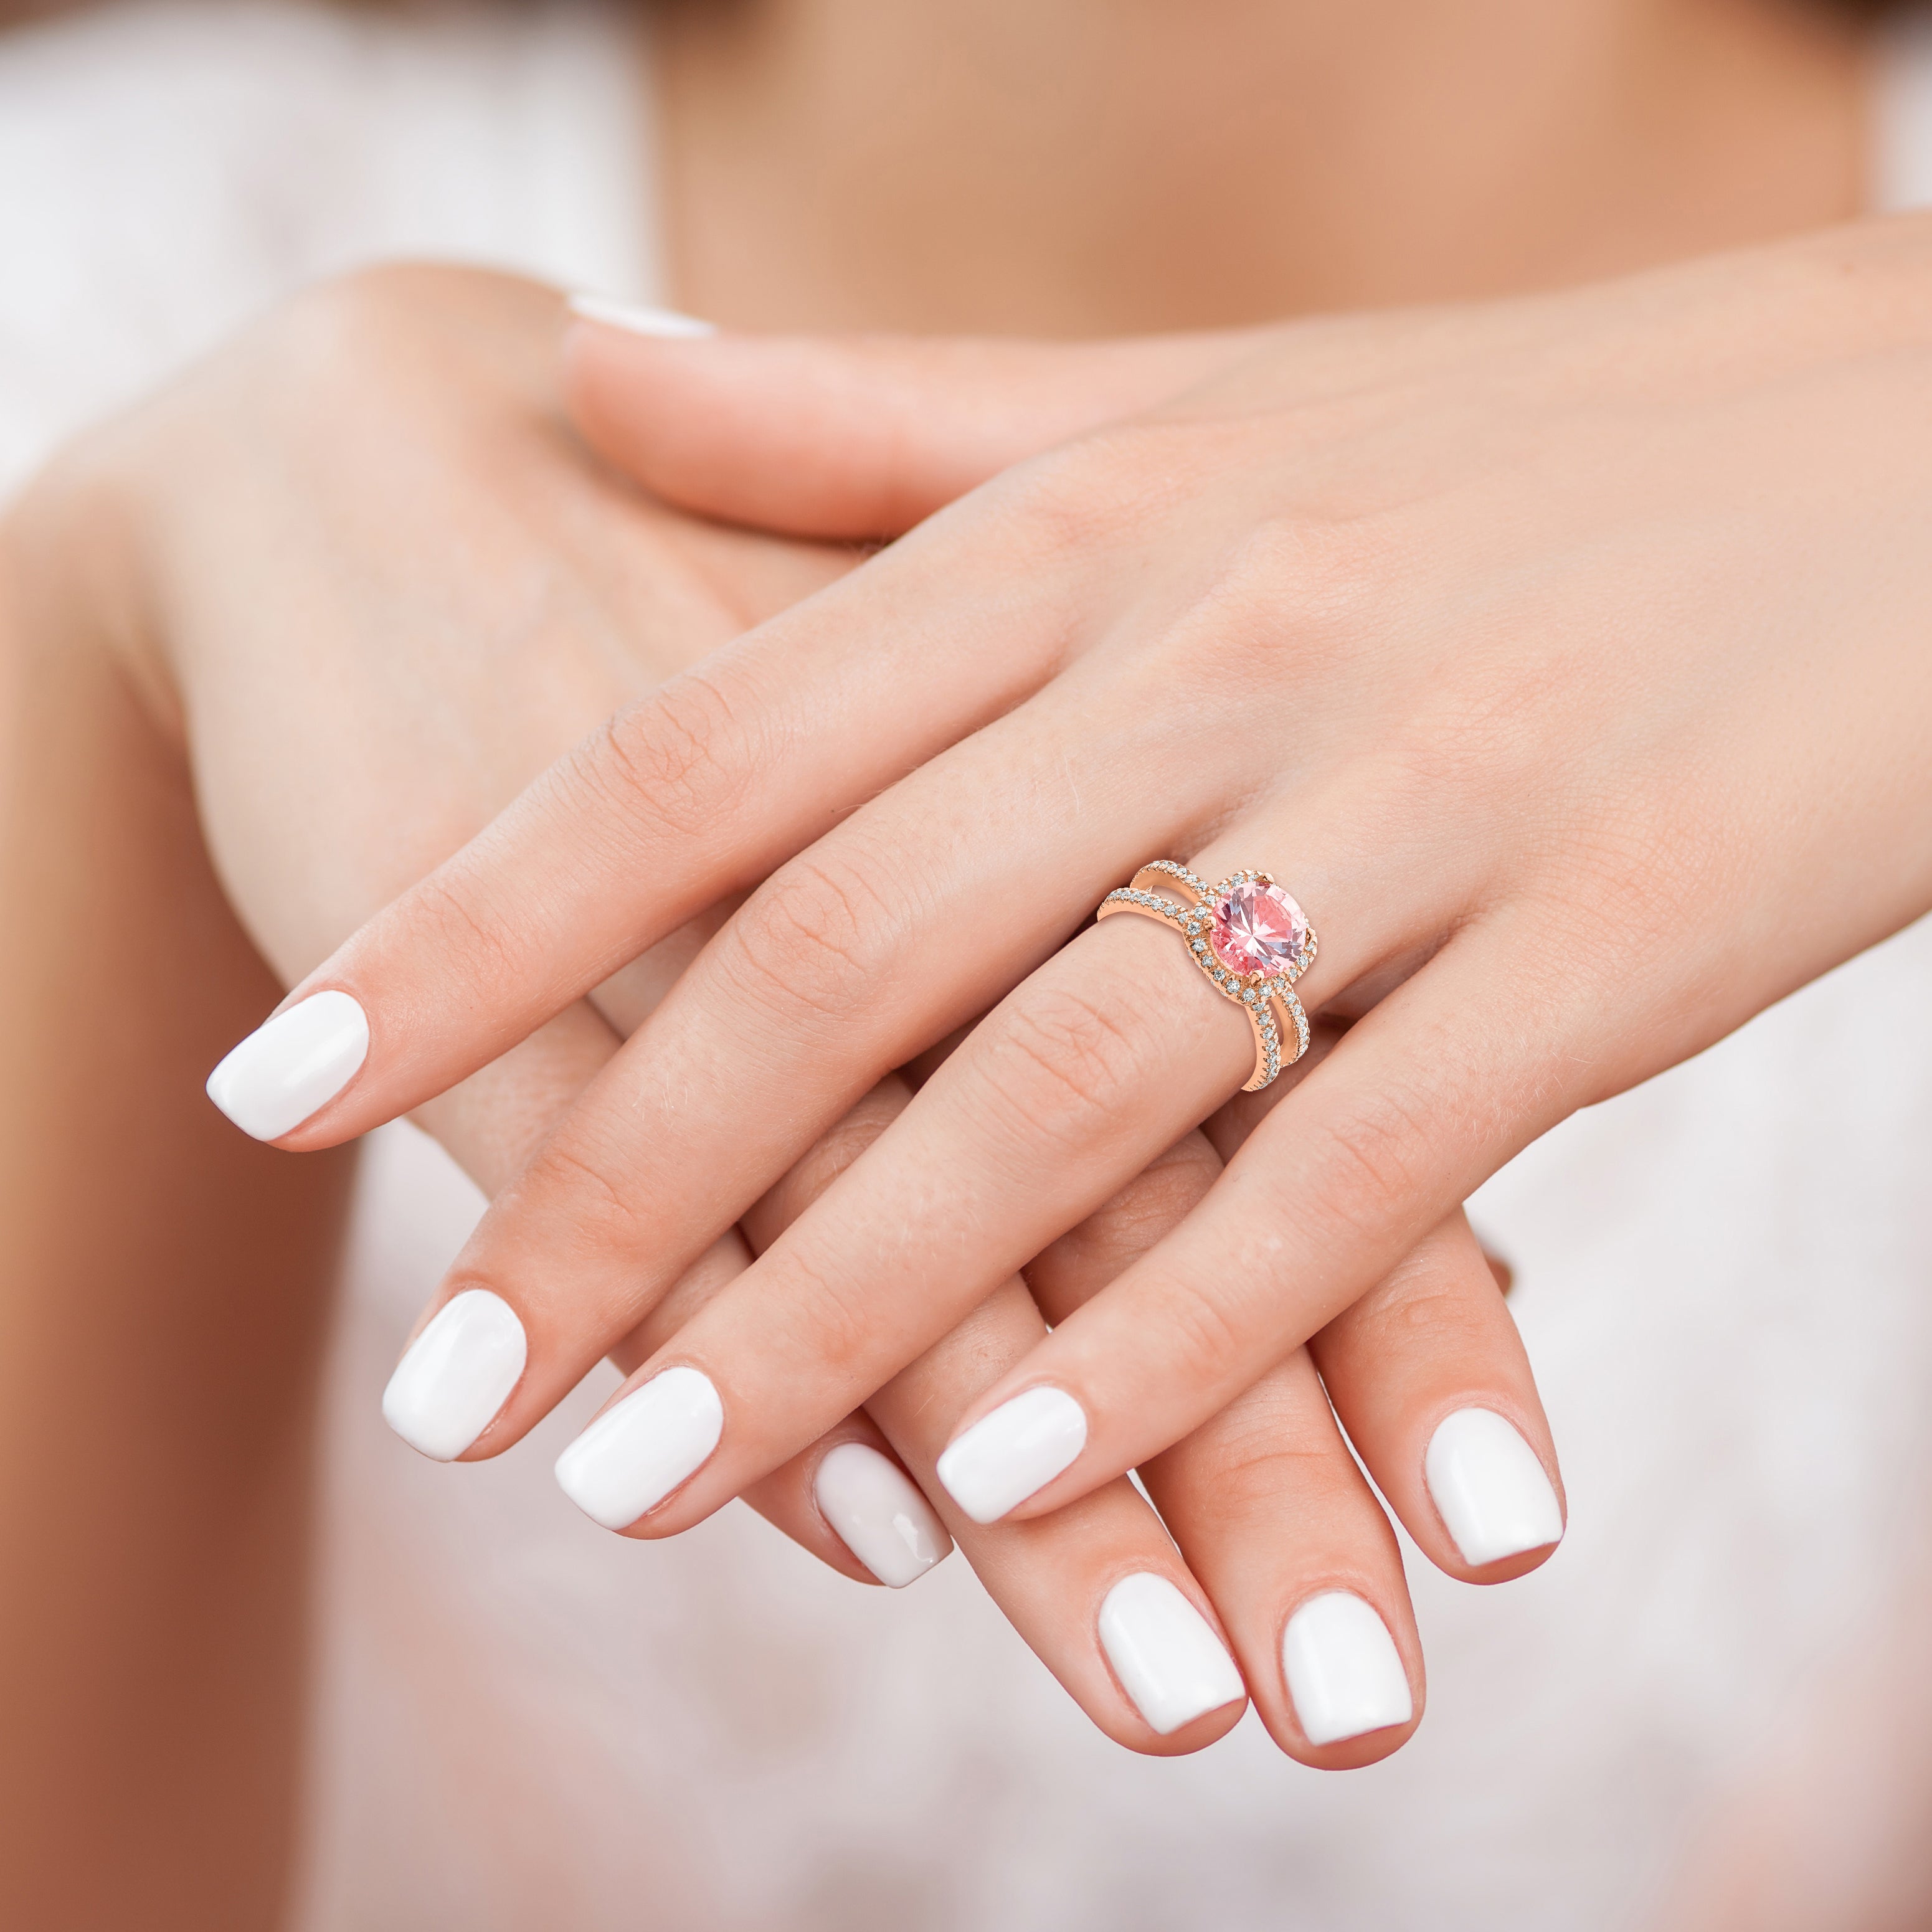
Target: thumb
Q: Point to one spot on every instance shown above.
(851, 436)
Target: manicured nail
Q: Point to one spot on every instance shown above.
(291, 1065)
(457, 1373)
(1490, 1488)
(1343, 1669)
(665, 323)
(632, 1457)
(879, 1514)
(1005, 1456)
(1169, 1660)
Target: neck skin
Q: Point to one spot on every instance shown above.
(1080, 167)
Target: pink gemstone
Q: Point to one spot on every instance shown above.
(1257, 928)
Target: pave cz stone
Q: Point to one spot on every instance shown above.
(1257, 928)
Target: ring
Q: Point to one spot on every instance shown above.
(1250, 939)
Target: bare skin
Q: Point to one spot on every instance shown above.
(1086, 168)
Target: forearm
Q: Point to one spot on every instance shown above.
(161, 1297)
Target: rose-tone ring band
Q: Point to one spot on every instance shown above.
(1250, 939)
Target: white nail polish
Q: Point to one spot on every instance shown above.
(456, 1374)
(1167, 1657)
(1343, 1669)
(291, 1065)
(1490, 1488)
(1005, 1456)
(632, 1457)
(664, 323)
(879, 1514)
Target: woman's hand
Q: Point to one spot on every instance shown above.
(367, 582)
(1564, 658)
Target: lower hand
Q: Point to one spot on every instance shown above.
(369, 588)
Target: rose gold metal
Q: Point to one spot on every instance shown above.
(1165, 890)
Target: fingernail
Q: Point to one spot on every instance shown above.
(879, 1514)
(1005, 1456)
(1490, 1487)
(665, 323)
(456, 1374)
(632, 1457)
(1167, 1658)
(1343, 1669)
(291, 1065)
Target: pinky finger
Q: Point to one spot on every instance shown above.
(846, 1499)
(1432, 1382)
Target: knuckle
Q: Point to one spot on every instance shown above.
(446, 920)
(1296, 591)
(1257, 1465)
(673, 764)
(397, 357)
(586, 1189)
(1065, 1063)
(1650, 858)
(1088, 494)
(363, 299)
(1298, 599)
(1421, 1312)
(809, 945)
(1482, 738)
(1202, 1335)
(833, 1324)
(1376, 1157)
(1311, 564)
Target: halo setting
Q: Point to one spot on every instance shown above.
(1250, 941)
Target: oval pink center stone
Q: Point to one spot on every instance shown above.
(1257, 929)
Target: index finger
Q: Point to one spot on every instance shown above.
(701, 789)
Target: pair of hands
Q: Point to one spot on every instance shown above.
(1497, 633)
(360, 573)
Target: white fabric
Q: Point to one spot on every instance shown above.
(527, 1723)
(168, 170)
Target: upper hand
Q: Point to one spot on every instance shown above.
(368, 584)
(1500, 635)
(1311, 613)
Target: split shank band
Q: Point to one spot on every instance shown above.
(1247, 935)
